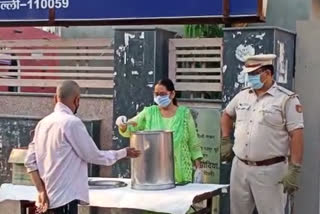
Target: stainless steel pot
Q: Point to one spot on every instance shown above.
(154, 169)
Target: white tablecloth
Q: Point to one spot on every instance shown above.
(176, 201)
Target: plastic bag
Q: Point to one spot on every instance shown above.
(198, 176)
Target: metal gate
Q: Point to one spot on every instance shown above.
(40, 65)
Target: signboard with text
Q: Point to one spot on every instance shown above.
(207, 122)
(76, 12)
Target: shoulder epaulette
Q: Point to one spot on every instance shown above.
(286, 91)
(245, 88)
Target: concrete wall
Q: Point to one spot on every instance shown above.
(10, 207)
(308, 87)
(285, 13)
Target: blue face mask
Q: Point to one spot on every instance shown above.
(254, 81)
(162, 101)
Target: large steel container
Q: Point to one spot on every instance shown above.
(154, 169)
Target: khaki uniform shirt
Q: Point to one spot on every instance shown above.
(263, 123)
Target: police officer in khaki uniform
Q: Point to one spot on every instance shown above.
(268, 135)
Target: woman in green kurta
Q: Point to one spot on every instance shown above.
(167, 115)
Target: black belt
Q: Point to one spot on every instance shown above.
(264, 162)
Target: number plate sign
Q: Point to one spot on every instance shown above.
(77, 12)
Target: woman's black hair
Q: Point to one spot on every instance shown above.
(170, 87)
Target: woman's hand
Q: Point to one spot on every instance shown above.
(198, 174)
(197, 163)
(122, 122)
(123, 128)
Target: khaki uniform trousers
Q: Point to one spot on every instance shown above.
(257, 186)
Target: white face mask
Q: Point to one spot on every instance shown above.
(162, 101)
(255, 81)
